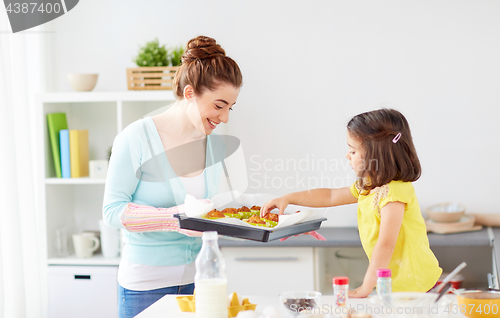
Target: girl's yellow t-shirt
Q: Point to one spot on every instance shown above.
(414, 266)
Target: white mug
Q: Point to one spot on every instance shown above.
(110, 240)
(85, 244)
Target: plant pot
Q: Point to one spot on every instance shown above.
(151, 78)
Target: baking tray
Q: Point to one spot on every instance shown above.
(244, 232)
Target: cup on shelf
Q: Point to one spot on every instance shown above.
(110, 240)
(85, 244)
(96, 234)
(62, 246)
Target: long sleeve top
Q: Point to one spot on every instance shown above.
(139, 172)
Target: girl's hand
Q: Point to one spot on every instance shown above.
(360, 292)
(281, 203)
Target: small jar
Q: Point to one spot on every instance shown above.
(341, 290)
(384, 286)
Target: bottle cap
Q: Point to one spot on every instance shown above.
(210, 235)
(384, 272)
(341, 280)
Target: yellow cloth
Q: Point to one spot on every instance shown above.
(414, 266)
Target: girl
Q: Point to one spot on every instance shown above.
(391, 226)
(156, 161)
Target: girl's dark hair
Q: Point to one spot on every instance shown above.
(385, 160)
(205, 66)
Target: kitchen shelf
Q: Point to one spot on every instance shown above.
(97, 259)
(76, 97)
(83, 180)
(74, 205)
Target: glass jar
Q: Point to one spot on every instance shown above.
(341, 290)
(384, 286)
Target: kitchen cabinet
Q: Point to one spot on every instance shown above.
(267, 270)
(83, 291)
(75, 204)
(341, 254)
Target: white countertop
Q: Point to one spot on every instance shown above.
(167, 307)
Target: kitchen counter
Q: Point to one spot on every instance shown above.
(349, 237)
(167, 307)
(477, 248)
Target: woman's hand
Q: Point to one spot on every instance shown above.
(280, 203)
(360, 292)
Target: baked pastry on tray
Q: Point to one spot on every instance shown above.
(231, 213)
(249, 215)
(215, 214)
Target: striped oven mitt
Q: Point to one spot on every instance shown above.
(145, 218)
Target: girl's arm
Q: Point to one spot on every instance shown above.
(391, 217)
(317, 198)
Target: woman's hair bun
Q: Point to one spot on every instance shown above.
(202, 47)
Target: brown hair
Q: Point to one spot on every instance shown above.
(385, 160)
(205, 66)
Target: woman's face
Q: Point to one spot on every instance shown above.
(354, 155)
(213, 107)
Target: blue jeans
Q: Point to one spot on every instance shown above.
(132, 302)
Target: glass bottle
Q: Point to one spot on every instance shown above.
(384, 286)
(210, 280)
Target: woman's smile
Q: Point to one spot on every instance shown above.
(212, 124)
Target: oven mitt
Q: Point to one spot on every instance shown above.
(314, 234)
(145, 218)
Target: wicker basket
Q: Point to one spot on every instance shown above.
(151, 78)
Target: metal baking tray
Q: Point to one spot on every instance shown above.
(244, 232)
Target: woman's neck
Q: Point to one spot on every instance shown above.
(176, 124)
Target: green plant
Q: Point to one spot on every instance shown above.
(175, 55)
(152, 54)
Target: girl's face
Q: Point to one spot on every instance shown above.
(354, 155)
(213, 107)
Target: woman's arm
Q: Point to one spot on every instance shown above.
(121, 184)
(317, 198)
(391, 218)
(121, 179)
(144, 218)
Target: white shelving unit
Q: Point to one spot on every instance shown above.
(76, 204)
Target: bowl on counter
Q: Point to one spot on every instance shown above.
(298, 301)
(479, 303)
(82, 82)
(417, 305)
(445, 212)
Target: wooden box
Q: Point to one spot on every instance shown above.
(151, 78)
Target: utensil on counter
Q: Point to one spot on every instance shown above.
(448, 278)
(443, 291)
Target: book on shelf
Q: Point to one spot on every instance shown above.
(56, 122)
(65, 159)
(79, 153)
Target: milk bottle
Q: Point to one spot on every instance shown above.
(210, 281)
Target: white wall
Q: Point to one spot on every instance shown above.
(309, 66)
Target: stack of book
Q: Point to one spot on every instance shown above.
(70, 147)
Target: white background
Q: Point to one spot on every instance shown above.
(309, 66)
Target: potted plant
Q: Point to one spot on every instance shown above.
(175, 55)
(156, 67)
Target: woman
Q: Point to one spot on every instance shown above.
(156, 161)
